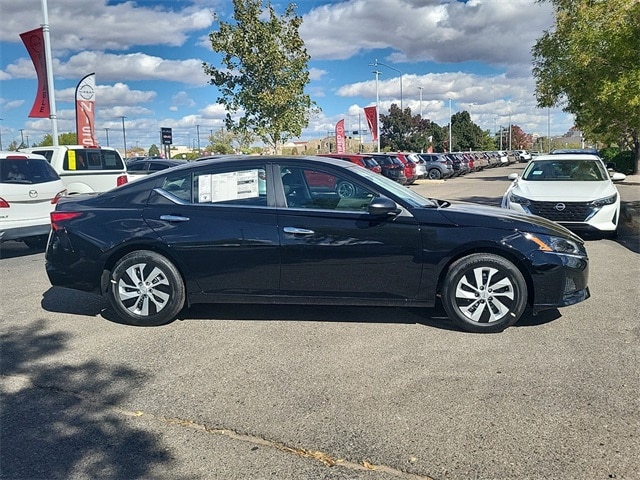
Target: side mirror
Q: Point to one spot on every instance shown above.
(618, 177)
(383, 206)
(513, 176)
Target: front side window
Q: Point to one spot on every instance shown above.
(317, 189)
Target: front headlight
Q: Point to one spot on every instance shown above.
(610, 200)
(513, 198)
(549, 243)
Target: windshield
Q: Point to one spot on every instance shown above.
(565, 170)
(407, 195)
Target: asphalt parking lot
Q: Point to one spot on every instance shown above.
(255, 392)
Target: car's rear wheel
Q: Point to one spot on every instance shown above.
(484, 293)
(146, 289)
(435, 174)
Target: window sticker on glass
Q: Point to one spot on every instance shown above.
(223, 187)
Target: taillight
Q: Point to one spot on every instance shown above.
(122, 179)
(4, 203)
(57, 218)
(55, 199)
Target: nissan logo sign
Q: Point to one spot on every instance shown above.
(560, 207)
(33, 193)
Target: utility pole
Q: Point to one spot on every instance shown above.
(124, 136)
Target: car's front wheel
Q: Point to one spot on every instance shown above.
(146, 289)
(484, 293)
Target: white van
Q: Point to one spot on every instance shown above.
(85, 169)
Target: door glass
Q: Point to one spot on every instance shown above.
(321, 190)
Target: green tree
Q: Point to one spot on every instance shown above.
(397, 129)
(154, 151)
(403, 132)
(68, 138)
(466, 135)
(590, 64)
(265, 72)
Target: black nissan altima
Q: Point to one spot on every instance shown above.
(307, 230)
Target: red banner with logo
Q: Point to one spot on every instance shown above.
(371, 114)
(85, 111)
(340, 139)
(34, 41)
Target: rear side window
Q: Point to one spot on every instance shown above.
(92, 159)
(48, 154)
(26, 171)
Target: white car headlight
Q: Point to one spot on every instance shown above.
(513, 198)
(610, 200)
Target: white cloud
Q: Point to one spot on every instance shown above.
(77, 26)
(492, 31)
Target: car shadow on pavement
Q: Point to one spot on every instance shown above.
(72, 302)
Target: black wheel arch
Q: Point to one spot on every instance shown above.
(153, 246)
(509, 255)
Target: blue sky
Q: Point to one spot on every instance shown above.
(147, 56)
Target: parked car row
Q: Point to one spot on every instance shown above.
(406, 168)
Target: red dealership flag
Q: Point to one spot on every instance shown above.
(85, 111)
(340, 140)
(371, 113)
(34, 41)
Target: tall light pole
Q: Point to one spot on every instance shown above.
(509, 129)
(377, 74)
(107, 130)
(124, 136)
(376, 63)
(450, 137)
(198, 136)
(420, 88)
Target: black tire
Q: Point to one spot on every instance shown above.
(36, 243)
(146, 289)
(434, 174)
(484, 293)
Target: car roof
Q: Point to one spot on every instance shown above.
(568, 156)
(273, 159)
(25, 155)
(562, 151)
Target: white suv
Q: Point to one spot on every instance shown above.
(29, 191)
(85, 169)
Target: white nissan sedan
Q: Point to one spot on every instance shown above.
(574, 190)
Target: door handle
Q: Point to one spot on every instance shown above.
(298, 231)
(174, 218)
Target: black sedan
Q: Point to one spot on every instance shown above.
(283, 230)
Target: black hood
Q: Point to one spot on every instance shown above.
(473, 215)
